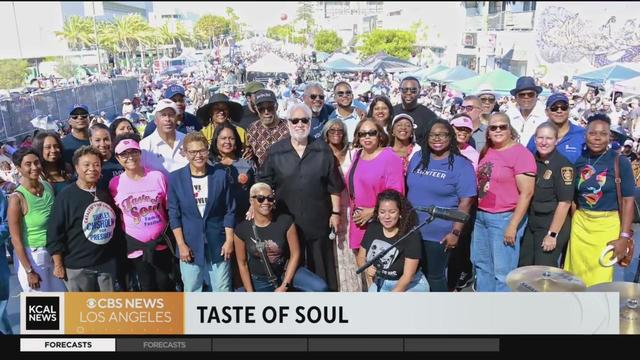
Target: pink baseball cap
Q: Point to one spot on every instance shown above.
(462, 121)
(125, 145)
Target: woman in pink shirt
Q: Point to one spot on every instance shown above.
(141, 196)
(375, 168)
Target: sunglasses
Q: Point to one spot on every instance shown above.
(295, 121)
(563, 107)
(262, 198)
(315, 96)
(467, 107)
(75, 117)
(462, 129)
(344, 93)
(203, 152)
(262, 109)
(502, 127)
(409, 90)
(335, 131)
(487, 99)
(370, 133)
(129, 154)
(526, 95)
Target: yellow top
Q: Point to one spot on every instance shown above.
(208, 133)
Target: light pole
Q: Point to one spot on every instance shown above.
(95, 33)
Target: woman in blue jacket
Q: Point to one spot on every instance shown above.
(202, 217)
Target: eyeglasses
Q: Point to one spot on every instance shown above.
(488, 99)
(370, 133)
(563, 107)
(439, 136)
(462, 129)
(76, 117)
(315, 96)
(335, 131)
(295, 121)
(203, 152)
(467, 107)
(269, 108)
(526, 95)
(344, 93)
(502, 127)
(131, 154)
(262, 198)
(409, 90)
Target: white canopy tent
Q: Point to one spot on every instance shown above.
(272, 63)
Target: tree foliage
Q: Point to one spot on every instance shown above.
(12, 73)
(281, 32)
(327, 41)
(210, 26)
(78, 32)
(397, 43)
(66, 69)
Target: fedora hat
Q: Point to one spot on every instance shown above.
(526, 83)
(235, 109)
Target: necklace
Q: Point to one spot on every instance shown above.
(598, 159)
(39, 190)
(92, 191)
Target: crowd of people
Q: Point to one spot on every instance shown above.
(280, 195)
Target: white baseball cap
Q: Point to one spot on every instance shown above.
(628, 142)
(165, 104)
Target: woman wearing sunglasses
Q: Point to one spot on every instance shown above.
(202, 216)
(268, 249)
(374, 169)
(547, 230)
(141, 196)
(506, 180)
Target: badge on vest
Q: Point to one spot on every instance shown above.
(547, 175)
(567, 175)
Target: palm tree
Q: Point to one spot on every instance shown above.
(78, 32)
(130, 30)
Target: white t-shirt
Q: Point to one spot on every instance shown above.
(200, 192)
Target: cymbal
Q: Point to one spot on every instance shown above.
(538, 278)
(629, 304)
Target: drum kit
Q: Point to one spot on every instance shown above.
(550, 279)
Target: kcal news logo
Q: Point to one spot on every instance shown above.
(43, 313)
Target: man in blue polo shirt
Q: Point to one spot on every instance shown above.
(186, 122)
(570, 136)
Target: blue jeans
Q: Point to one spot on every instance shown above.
(434, 265)
(5, 325)
(303, 280)
(418, 284)
(217, 276)
(492, 259)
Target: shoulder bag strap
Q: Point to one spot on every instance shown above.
(618, 181)
(352, 172)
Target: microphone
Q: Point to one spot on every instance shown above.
(444, 213)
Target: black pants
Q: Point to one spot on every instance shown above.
(317, 255)
(531, 252)
(460, 258)
(154, 277)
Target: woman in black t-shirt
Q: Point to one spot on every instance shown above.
(397, 270)
(277, 234)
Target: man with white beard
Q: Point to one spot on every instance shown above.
(304, 175)
(314, 99)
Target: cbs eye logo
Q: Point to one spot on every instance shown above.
(92, 303)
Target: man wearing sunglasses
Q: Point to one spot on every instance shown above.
(422, 116)
(79, 135)
(570, 136)
(345, 111)
(527, 114)
(472, 107)
(185, 122)
(314, 98)
(270, 129)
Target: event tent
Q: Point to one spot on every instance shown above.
(611, 73)
(456, 74)
(423, 74)
(630, 86)
(388, 63)
(272, 63)
(500, 81)
(342, 65)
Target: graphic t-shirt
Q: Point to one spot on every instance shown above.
(595, 181)
(276, 246)
(200, 192)
(441, 186)
(110, 169)
(143, 204)
(375, 241)
(497, 170)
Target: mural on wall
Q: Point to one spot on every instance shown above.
(564, 36)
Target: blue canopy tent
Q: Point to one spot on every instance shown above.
(321, 56)
(456, 74)
(422, 74)
(611, 73)
(342, 65)
(388, 63)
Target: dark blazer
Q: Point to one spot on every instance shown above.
(218, 214)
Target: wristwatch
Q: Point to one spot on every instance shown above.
(28, 271)
(552, 234)
(335, 212)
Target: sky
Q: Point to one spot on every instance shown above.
(259, 15)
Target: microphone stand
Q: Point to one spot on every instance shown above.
(375, 261)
